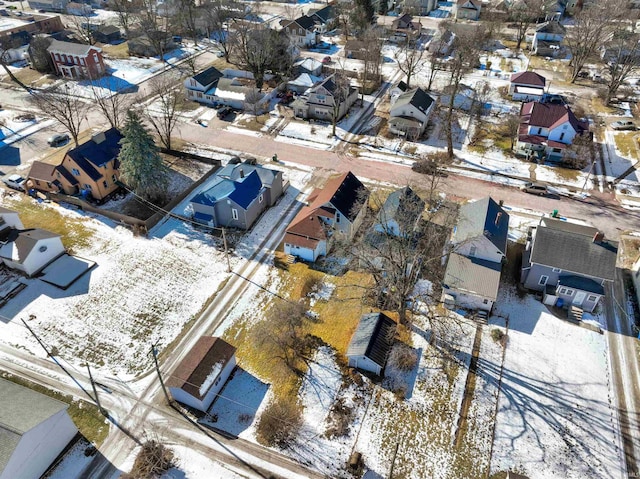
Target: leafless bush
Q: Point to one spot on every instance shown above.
(340, 417)
(152, 461)
(403, 357)
(279, 423)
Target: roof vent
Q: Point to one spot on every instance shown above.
(241, 173)
(98, 138)
(598, 237)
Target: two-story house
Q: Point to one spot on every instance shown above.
(90, 169)
(198, 87)
(468, 9)
(323, 18)
(546, 129)
(571, 264)
(301, 31)
(337, 209)
(410, 113)
(479, 247)
(404, 28)
(77, 61)
(325, 99)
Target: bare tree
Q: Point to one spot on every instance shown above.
(63, 106)
(512, 126)
(7, 43)
(372, 60)
(217, 16)
(83, 26)
(580, 153)
(522, 13)
(112, 105)
(340, 93)
(482, 95)
(153, 460)
(170, 101)
(409, 57)
(155, 26)
(465, 57)
(126, 11)
(591, 26)
(622, 58)
(40, 58)
(253, 102)
(187, 17)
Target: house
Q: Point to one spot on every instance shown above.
(34, 430)
(310, 66)
(212, 87)
(571, 264)
(107, 34)
(237, 196)
(90, 168)
(17, 46)
(404, 28)
(371, 343)
(442, 43)
(527, 86)
(356, 49)
(548, 38)
(322, 18)
(546, 129)
(203, 372)
(467, 9)
(198, 85)
(410, 113)
(326, 99)
(9, 218)
(57, 6)
(479, 247)
(302, 83)
(397, 90)
(142, 46)
(400, 212)
(301, 31)
(33, 25)
(29, 251)
(79, 9)
(73, 60)
(338, 208)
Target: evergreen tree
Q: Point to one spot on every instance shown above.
(141, 166)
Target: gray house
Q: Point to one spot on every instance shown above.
(569, 263)
(237, 196)
(371, 343)
(400, 212)
(479, 243)
(57, 6)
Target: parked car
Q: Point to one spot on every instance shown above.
(57, 140)
(327, 59)
(623, 125)
(534, 188)
(220, 54)
(15, 181)
(224, 112)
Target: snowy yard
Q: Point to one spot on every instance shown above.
(555, 418)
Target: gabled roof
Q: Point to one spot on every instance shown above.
(571, 248)
(328, 84)
(304, 21)
(199, 369)
(242, 191)
(483, 218)
(549, 115)
(403, 205)
(71, 48)
(42, 171)
(323, 15)
(304, 80)
(20, 243)
(475, 4)
(373, 338)
(107, 29)
(473, 275)
(22, 410)
(528, 78)
(208, 76)
(309, 64)
(345, 193)
(92, 155)
(67, 175)
(237, 171)
(308, 228)
(417, 98)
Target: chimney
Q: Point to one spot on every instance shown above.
(98, 138)
(498, 216)
(241, 173)
(598, 237)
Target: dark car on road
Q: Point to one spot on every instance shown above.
(224, 112)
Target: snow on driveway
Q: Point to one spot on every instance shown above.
(555, 418)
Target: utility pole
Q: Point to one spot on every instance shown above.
(95, 391)
(226, 250)
(588, 176)
(154, 353)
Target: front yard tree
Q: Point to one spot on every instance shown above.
(521, 14)
(141, 166)
(409, 57)
(361, 15)
(342, 86)
(217, 15)
(170, 101)
(63, 106)
(622, 59)
(113, 107)
(125, 10)
(372, 60)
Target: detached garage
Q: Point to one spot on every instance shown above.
(371, 343)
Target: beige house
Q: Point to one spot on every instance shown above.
(325, 99)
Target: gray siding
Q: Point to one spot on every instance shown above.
(276, 189)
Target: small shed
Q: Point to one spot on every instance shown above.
(203, 372)
(371, 343)
(107, 34)
(29, 250)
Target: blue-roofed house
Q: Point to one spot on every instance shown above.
(371, 343)
(91, 167)
(237, 196)
(479, 247)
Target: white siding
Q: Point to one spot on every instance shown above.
(13, 220)
(484, 249)
(569, 133)
(203, 405)
(469, 301)
(364, 363)
(39, 259)
(306, 254)
(39, 447)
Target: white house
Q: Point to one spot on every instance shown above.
(527, 86)
(400, 213)
(9, 218)
(302, 31)
(34, 430)
(338, 208)
(30, 250)
(479, 244)
(548, 38)
(371, 343)
(198, 85)
(212, 87)
(320, 101)
(202, 373)
(546, 129)
(410, 113)
(468, 9)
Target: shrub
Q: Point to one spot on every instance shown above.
(279, 423)
(340, 417)
(152, 461)
(498, 335)
(404, 358)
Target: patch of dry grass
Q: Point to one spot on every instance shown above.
(255, 123)
(120, 51)
(488, 135)
(627, 144)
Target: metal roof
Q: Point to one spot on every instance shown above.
(483, 217)
(473, 275)
(373, 338)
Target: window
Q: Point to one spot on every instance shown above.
(114, 178)
(561, 136)
(192, 82)
(82, 61)
(337, 217)
(485, 301)
(95, 58)
(592, 297)
(199, 94)
(105, 184)
(543, 280)
(567, 291)
(473, 250)
(539, 131)
(260, 198)
(38, 182)
(556, 150)
(557, 270)
(42, 249)
(87, 186)
(75, 171)
(234, 213)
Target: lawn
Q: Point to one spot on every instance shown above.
(120, 51)
(491, 135)
(627, 144)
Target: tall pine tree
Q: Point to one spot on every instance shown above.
(141, 166)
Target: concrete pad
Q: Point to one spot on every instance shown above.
(65, 270)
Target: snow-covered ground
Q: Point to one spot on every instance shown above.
(13, 128)
(555, 416)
